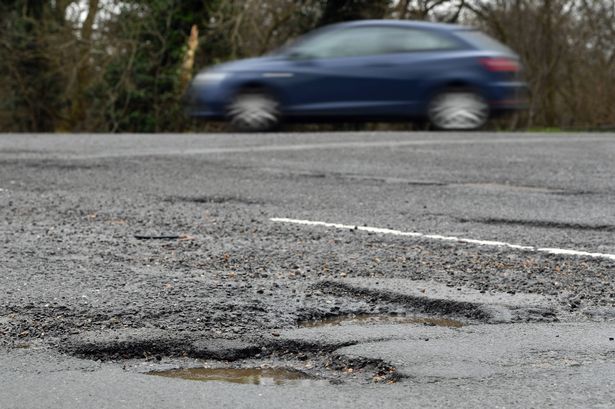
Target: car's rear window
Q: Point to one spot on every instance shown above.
(483, 41)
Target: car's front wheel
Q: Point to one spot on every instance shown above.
(254, 110)
(461, 109)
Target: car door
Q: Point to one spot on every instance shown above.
(334, 73)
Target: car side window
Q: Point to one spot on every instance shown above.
(340, 43)
(400, 40)
(365, 41)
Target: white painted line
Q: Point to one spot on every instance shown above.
(446, 238)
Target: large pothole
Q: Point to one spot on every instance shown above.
(309, 351)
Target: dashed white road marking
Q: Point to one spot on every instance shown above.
(491, 243)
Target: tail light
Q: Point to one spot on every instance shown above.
(500, 65)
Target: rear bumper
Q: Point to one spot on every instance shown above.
(509, 96)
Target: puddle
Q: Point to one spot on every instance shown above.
(244, 376)
(371, 319)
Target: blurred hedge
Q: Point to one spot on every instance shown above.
(116, 66)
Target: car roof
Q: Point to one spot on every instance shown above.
(404, 23)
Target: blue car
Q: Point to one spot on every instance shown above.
(455, 77)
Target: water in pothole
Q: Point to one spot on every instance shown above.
(373, 319)
(244, 376)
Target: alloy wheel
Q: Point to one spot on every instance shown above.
(254, 112)
(458, 110)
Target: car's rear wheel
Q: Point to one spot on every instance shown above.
(254, 110)
(458, 109)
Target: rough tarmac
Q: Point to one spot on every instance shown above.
(124, 254)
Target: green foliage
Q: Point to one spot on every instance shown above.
(144, 71)
(35, 85)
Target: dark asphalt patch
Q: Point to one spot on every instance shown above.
(503, 187)
(506, 187)
(213, 200)
(373, 179)
(379, 319)
(347, 177)
(9, 151)
(150, 343)
(416, 304)
(578, 193)
(442, 307)
(59, 165)
(540, 224)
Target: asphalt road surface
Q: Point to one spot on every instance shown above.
(383, 269)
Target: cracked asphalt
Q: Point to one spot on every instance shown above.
(122, 254)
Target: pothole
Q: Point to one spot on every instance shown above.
(378, 319)
(244, 376)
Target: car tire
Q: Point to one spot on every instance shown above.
(254, 110)
(458, 110)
